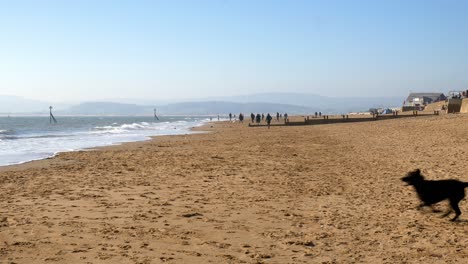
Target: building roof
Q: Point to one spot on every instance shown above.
(433, 96)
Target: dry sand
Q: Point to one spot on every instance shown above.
(308, 194)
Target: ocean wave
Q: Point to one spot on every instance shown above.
(133, 126)
(113, 129)
(11, 137)
(31, 144)
(7, 132)
(116, 129)
(6, 137)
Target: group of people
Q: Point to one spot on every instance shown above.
(258, 118)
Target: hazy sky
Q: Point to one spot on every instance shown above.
(88, 50)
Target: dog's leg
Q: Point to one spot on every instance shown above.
(447, 213)
(420, 206)
(454, 204)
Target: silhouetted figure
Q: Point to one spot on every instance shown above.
(218, 117)
(258, 118)
(230, 116)
(263, 117)
(268, 119)
(285, 117)
(277, 116)
(316, 114)
(241, 118)
(252, 116)
(320, 113)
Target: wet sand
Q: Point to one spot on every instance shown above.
(305, 194)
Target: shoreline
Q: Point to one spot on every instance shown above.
(191, 130)
(43, 162)
(306, 194)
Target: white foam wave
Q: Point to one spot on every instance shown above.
(6, 132)
(32, 147)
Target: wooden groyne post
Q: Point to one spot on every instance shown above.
(51, 116)
(155, 115)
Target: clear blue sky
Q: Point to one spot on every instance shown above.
(90, 50)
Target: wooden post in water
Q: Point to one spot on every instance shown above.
(51, 116)
(155, 116)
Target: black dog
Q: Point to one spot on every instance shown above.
(431, 192)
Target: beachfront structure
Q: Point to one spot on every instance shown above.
(458, 94)
(422, 99)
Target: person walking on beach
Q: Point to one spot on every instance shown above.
(285, 117)
(277, 116)
(258, 119)
(263, 117)
(268, 119)
(252, 116)
(230, 116)
(241, 117)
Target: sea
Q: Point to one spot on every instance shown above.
(24, 139)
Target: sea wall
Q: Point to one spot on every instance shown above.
(454, 105)
(464, 106)
(437, 106)
(409, 108)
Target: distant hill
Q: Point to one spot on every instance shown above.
(217, 107)
(292, 103)
(107, 108)
(316, 102)
(16, 104)
(187, 108)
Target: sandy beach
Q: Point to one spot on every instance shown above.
(304, 194)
